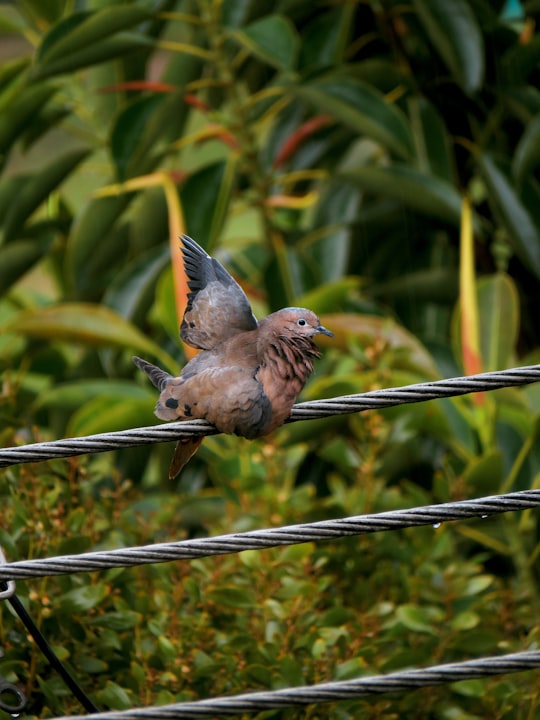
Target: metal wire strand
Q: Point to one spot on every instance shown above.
(330, 692)
(259, 539)
(313, 410)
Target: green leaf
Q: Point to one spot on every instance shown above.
(10, 189)
(363, 109)
(418, 619)
(454, 31)
(478, 584)
(82, 599)
(37, 188)
(519, 61)
(327, 297)
(82, 30)
(114, 697)
(44, 13)
(325, 251)
(527, 153)
(369, 329)
(506, 204)
(235, 597)
(325, 38)
(484, 472)
(89, 260)
(90, 664)
(498, 307)
(430, 285)
(465, 620)
(107, 49)
(128, 132)
(73, 395)
(120, 620)
(11, 23)
(273, 39)
(426, 194)
(350, 669)
(21, 110)
(469, 688)
(164, 308)
(11, 73)
(134, 288)
(433, 146)
(108, 413)
(19, 257)
(205, 198)
(84, 323)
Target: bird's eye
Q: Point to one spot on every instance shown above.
(301, 322)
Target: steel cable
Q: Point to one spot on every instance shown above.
(312, 410)
(325, 530)
(330, 692)
(272, 537)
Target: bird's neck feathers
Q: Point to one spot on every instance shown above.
(291, 356)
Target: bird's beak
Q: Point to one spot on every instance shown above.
(321, 330)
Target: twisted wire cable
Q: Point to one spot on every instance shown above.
(316, 409)
(259, 539)
(330, 692)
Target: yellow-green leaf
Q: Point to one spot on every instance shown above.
(84, 323)
(362, 108)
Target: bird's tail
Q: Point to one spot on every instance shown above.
(158, 377)
(185, 449)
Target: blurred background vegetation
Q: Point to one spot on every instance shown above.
(374, 160)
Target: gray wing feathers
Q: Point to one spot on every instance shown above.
(217, 306)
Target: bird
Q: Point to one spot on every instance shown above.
(248, 374)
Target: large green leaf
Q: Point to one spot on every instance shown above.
(454, 31)
(433, 145)
(108, 413)
(498, 310)
(73, 395)
(324, 251)
(128, 132)
(18, 257)
(205, 198)
(508, 207)
(21, 110)
(431, 285)
(83, 323)
(12, 78)
(82, 30)
(273, 39)
(133, 289)
(362, 108)
(44, 13)
(37, 188)
(324, 40)
(94, 246)
(424, 193)
(527, 153)
(369, 329)
(498, 321)
(107, 49)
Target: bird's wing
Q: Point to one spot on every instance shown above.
(217, 307)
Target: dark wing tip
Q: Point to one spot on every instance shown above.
(158, 377)
(192, 249)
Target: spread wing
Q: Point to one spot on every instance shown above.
(217, 306)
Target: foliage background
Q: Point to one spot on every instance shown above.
(375, 161)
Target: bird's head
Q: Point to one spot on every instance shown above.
(299, 322)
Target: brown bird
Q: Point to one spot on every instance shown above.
(249, 374)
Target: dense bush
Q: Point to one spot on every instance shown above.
(374, 161)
